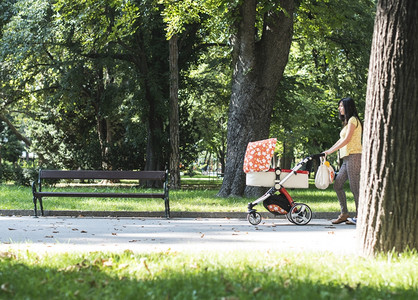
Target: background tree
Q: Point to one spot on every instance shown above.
(202, 85)
(389, 183)
(259, 59)
(174, 114)
(89, 61)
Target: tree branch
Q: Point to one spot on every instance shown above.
(15, 131)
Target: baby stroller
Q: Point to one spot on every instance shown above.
(260, 168)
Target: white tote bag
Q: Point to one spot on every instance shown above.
(322, 177)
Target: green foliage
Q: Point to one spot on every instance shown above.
(21, 174)
(328, 61)
(204, 104)
(77, 69)
(87, 81)
(10, 148)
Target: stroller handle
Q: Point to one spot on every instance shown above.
(315, 156)
(306, 159)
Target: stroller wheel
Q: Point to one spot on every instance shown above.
(254, 218)
(289, 218)
(300, 214)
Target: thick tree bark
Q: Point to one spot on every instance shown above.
(258, 69)
(174, 115)
(389, 184)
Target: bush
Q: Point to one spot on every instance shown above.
(6, 173)
(18, 174)
(27, 176)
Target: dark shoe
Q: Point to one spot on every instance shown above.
(351, 221)
(341, 218)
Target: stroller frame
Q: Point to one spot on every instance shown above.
(299, 213)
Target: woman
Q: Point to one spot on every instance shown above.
(350, 148)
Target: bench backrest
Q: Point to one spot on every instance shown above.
(93, 174)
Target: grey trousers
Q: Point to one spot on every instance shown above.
(350, 170)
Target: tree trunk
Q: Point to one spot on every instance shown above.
(388, 207)
(103, 124)
(174, 115)
(155, 127)
(258, 69)
(155, 135)
(287, 156)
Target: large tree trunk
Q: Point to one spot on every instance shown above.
(389, 184)
(174, 115)
(258, 69)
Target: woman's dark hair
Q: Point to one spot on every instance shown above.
(350, 110)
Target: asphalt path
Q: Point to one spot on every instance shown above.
(68, 234)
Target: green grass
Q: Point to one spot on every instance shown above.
(207, 275)
(194, 198)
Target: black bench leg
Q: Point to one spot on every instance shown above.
(42, 207)
(34, 204)
(167, 208)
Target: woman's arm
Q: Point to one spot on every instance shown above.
(342, 142)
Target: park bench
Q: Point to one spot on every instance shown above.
(103, 175)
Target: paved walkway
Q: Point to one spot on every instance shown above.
(63, 234)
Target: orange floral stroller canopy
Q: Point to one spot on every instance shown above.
(258, 155)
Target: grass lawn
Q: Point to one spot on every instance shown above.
(208, 275)
(199, 195)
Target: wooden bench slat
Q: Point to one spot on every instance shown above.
(92, 174)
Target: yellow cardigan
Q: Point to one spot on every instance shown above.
(354, 145)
